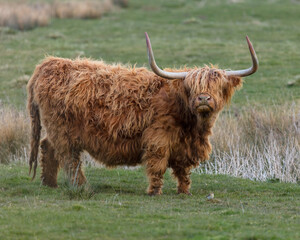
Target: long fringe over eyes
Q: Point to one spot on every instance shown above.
(212, 80)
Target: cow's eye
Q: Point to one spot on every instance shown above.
(188, 93)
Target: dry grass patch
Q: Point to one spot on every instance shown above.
(82, 9)
(23, 16)
(259, 144)
(20, 81)
(14, 135)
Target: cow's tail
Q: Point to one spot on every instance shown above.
(35, 121)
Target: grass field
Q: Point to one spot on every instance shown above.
(114, 204)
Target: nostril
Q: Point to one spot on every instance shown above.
(204, 98)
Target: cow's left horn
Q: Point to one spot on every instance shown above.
(156, 69)
(248, 71)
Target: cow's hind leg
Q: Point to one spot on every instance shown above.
(183, 179)
(72, 166)
(49, 164)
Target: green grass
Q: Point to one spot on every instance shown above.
(182, 33)
(115, 206)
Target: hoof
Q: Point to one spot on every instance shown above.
(154, 192)
(52, 185)
(184, 192)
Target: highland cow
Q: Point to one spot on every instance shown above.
(126, 116)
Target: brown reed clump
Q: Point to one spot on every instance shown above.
(14, 134)
(23, 16)
(87, 9)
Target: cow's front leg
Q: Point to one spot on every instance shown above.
(155, 183)
(183, 179)
(156, 165)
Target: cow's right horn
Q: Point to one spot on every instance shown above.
(156, 69)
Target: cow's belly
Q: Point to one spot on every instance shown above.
(126, 152)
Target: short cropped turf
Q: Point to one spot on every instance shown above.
(114, 205)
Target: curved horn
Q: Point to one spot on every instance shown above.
(156, 69)
(248, 71)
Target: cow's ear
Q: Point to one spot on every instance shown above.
(236, 82)
(232, 84)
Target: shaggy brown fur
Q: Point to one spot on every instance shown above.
(123, 116)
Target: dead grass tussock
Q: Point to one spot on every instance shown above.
(23, 16)
(14, 134)
(259, 144)
(82, 9)
(20, 81)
